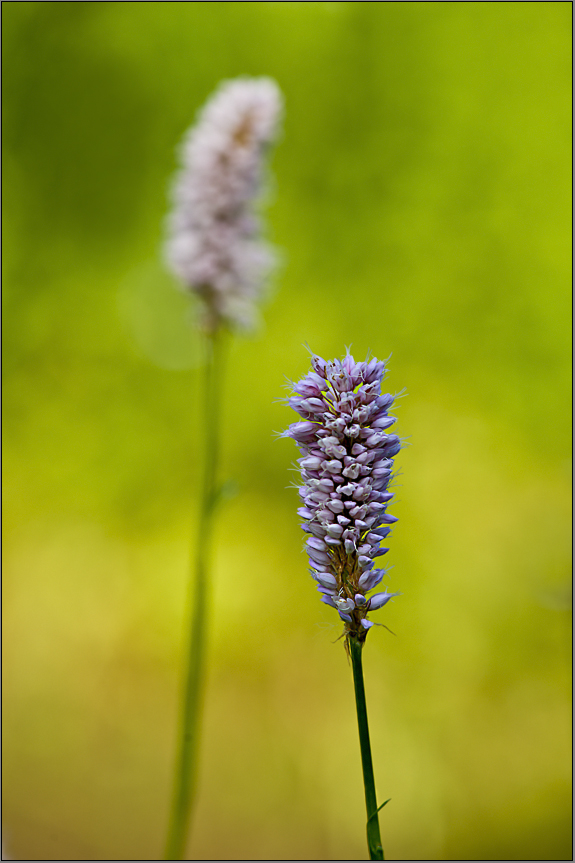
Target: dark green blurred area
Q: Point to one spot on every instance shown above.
(421, 198)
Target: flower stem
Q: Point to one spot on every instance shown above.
(373, 835)
(186, 768)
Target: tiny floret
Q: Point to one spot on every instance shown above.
(214, 241)
(346, 467)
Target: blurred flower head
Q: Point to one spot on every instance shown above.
(215, 245)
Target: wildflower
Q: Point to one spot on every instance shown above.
(346, 466)
(214, 244)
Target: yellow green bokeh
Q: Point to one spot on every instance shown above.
(421, 199)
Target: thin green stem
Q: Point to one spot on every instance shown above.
(373, 836)
(186, 768)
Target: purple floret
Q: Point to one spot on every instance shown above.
(346, 466)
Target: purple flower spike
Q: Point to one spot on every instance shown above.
(346, 467)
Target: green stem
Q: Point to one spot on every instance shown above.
(373, 836)
(186, 769)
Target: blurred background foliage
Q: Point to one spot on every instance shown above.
(421, 198)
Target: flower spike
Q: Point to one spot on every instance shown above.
(214, 245)
(346, 466)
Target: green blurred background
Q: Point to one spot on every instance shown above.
(421, 198)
